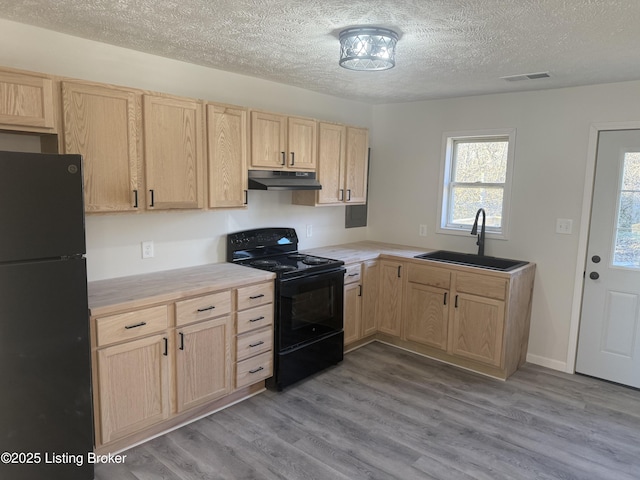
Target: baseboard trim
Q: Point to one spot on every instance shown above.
(547, 362)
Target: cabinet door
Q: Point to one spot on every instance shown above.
(268, 141)
(173, 143)
(478, 324)
(331, 144)
(390, 300)
(426, 315)
(370, 292)
(26, 101)
(100, 123)
(352, 312)
(133, 379)
(203, 362)
(357, 165)
(227, 156)
(303, 143)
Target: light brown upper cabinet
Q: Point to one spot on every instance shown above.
(279, 142)
(342, 167)
(102, 123)
(173, 143)
(26, 102)
(227, 156)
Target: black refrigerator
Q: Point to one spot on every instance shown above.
(46, 427)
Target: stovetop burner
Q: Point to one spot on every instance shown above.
(282, 268)
(263, 263)
(315, 260)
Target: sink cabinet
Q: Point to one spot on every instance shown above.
(477, 319)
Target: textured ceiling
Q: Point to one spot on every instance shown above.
(447, 48)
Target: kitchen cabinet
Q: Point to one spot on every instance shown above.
(227, 148)
(203, 349)
(390, 300)
(478, 320)
(342, 167)
(352, 304)
(426, 317)
(173, 145)
(370, 294)
(360, 302)
(133, 376)
(254, 339)
(26, 102)
(475, 318)
(172, 346)
(102, 123)
(279, 142)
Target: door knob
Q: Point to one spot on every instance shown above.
(594, 275)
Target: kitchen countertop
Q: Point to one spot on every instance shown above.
(365, 250)
(124, 293)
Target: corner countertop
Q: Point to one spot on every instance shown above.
(136, 291)
(365, 250)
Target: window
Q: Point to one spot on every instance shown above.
(627, 246)
(476, 174)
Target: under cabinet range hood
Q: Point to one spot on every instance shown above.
(279, 180)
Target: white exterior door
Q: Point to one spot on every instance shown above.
(609, 338)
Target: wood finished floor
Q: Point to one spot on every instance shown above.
(388, 414)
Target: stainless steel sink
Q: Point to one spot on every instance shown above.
(472, 260)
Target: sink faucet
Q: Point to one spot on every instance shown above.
(474, 230)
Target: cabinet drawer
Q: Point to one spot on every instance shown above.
(482, 285)
(200, 308)
(352, 274)
(255, 295)
(126, 326)
(435, 277)
(255, 318)
(254, 370)
(253, 343)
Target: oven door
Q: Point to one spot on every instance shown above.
(310, 307)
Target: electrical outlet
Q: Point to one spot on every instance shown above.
(564, 226)
(309, 230)
(423, 231)
(147, 249)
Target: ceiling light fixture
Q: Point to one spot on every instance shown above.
(368, 48)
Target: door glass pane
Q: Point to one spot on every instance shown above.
(627, 247)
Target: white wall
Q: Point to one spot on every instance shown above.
(184, 238)
(550, 161)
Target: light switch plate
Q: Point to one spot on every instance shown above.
(147, 249)
(564, 226)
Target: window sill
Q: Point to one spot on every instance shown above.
(467, 233)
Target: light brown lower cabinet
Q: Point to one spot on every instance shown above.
(133, 386)
(360, 303)
(203, 361)
(466, 316)
(160, 366)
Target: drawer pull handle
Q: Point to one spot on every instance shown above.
(141, 324)
(181, 341)
(256, 296)
(256, 370)
(206, 308)
(256, 344)
(353, 274)
(256, 319)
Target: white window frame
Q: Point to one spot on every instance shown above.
(444, 196)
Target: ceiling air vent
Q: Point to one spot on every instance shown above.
(526, 76)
